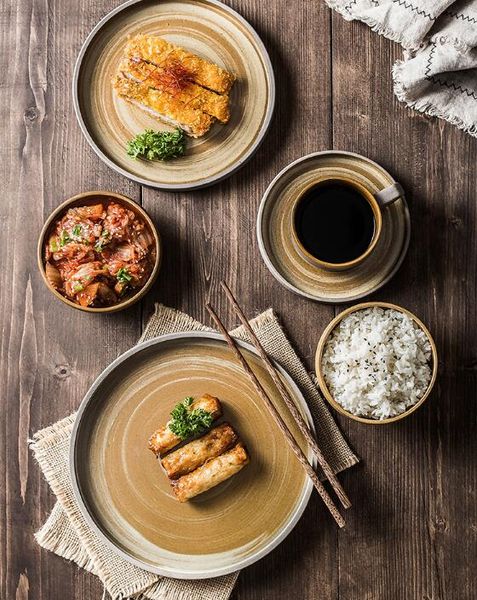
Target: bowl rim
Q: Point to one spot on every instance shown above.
(319, 354)
(68, 203)
(377, 230)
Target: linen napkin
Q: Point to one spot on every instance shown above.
(67, 534)
(438, 73)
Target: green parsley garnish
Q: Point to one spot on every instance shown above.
(157, 145)
(123, 275)
(186, 423)
(77, 288)
(76, 231)
(53, 245)
(64, 238)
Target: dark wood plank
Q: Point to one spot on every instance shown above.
(411, 532)
(414, 495)
(50, 354)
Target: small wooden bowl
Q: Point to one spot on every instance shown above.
(319, 354)
(85, 199)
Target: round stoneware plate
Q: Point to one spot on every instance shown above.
(274, 230)
(124, 493)
(207, 28)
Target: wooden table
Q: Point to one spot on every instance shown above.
(411, 533)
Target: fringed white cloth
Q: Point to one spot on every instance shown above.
(438, 73)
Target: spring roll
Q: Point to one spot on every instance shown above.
(159, 51)
(163, 440)
(210, 474)
(196, 453)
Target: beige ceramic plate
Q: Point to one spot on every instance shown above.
(125, 495)
(274, 230)
(207, 28)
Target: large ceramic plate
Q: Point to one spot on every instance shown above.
(287, 265)
(123, 492)
(207, 28)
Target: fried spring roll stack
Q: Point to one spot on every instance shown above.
(163, 106)
(157, 51)
(196, 453)
(210, 474)
(192, 96)
(164, 439)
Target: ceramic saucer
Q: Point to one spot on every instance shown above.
(274, 230)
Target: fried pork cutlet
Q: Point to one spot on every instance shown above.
(192, 95)
(158, 51)
(164, 106)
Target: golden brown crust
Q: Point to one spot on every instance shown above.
(158, 50)
(196, 453)
(210, 474)
(192, 95)
(164, 106)
(163, 440)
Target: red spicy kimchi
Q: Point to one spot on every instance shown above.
(98, 255)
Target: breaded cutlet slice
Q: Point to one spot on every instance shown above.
(157, 50)
(192, 95)
(164, 106)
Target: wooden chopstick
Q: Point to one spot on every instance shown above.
(278, 419)
(336, 485)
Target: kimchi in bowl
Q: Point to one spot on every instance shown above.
(99, 252)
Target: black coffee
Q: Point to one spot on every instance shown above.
(334, 222)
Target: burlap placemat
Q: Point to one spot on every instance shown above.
(67, 534)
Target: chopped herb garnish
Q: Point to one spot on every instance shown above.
(64, 238)
(123, 275)
(77, 288)
(186, 423)
(53, 245)
(76, 231)
(157, 145)
(103, 240)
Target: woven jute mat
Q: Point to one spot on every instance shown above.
(66, 532)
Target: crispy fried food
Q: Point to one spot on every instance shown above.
(196, 453)
(158, 51)
(210, 474)
(164, 106)
(192, 95)
(164, 439)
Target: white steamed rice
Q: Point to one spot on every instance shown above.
(376, 363)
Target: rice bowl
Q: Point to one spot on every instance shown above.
(376, 362)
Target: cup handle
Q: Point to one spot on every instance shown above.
(389, 194)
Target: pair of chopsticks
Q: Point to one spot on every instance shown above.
(291, 406)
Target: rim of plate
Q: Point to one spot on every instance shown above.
(175, 186)
(276, 273)
(276, 538)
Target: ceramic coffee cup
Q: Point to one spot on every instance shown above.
(377, 202)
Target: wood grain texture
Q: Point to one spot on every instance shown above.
(411, 533)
